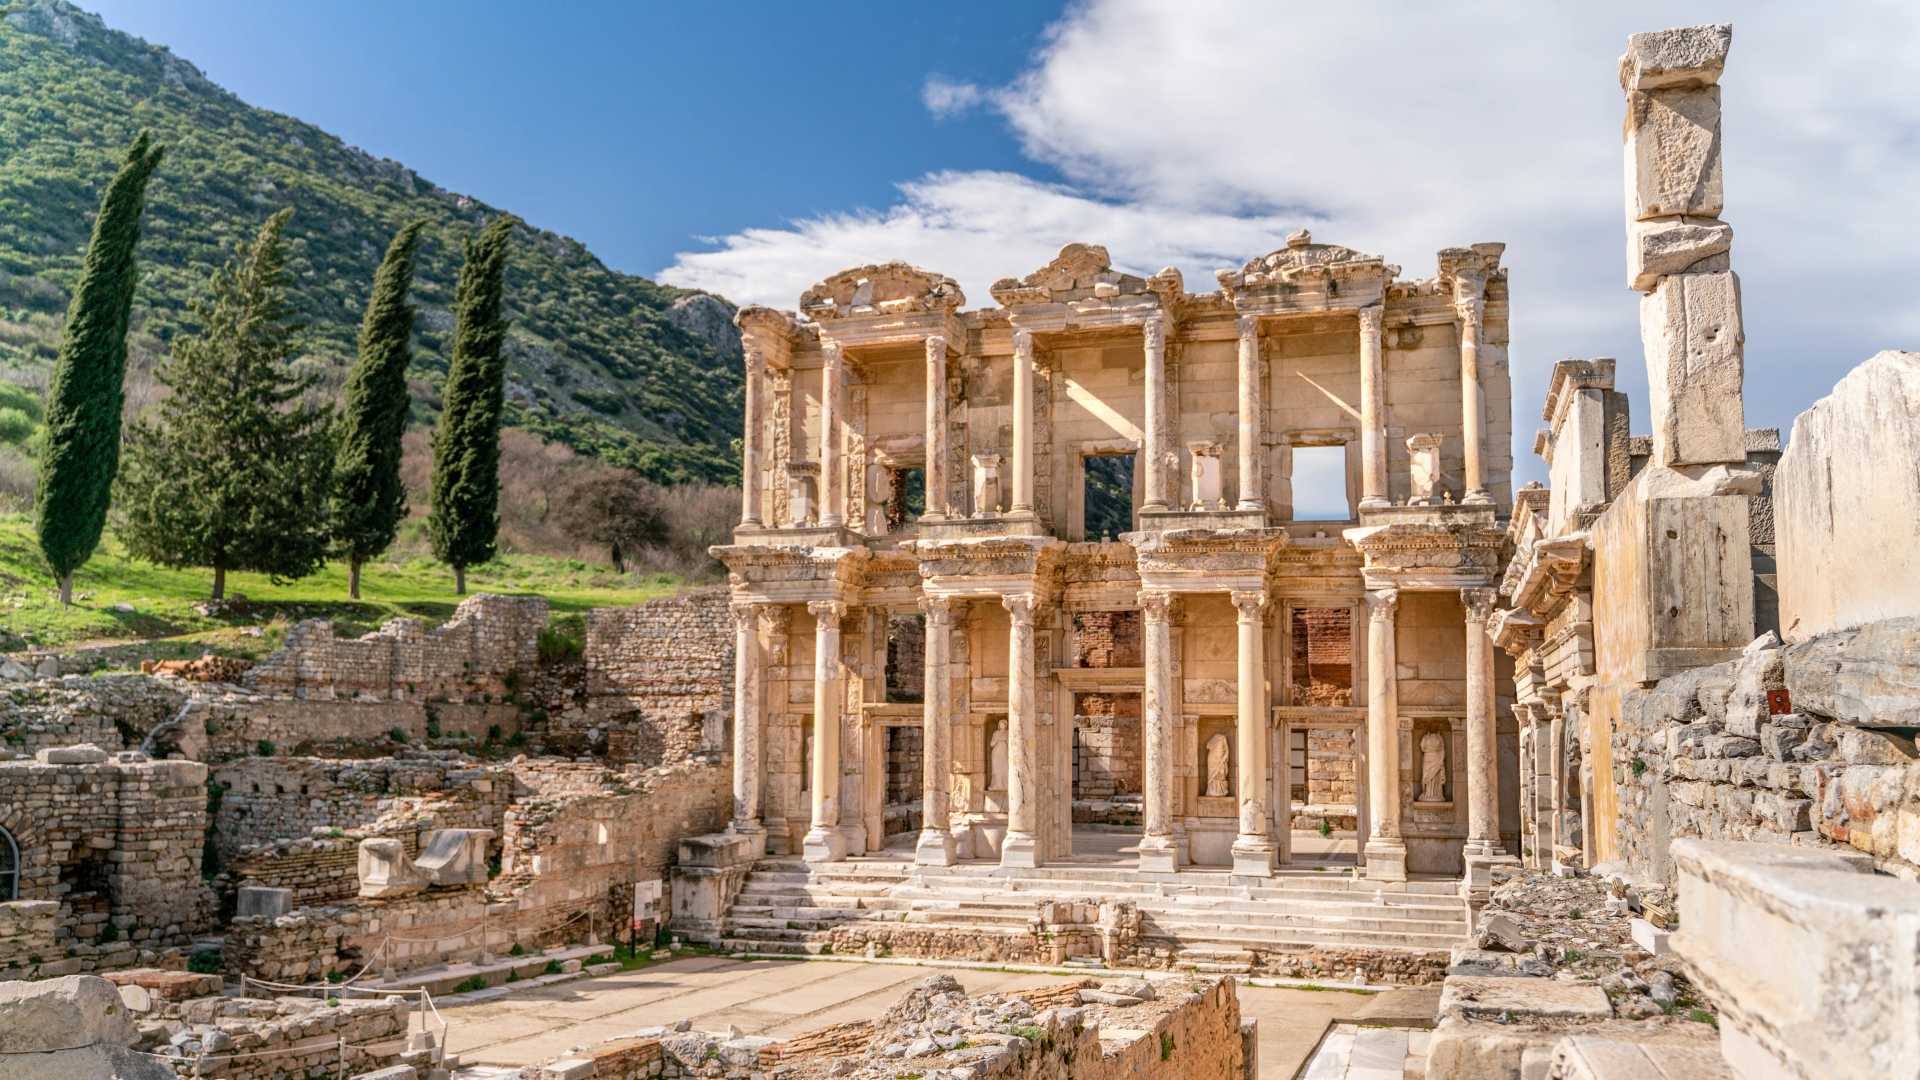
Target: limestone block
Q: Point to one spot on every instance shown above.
(56, 1013)
(1691, 332)
(1595, 1057)
(258, 900)
(1673, 154)
(1675, 245)
(1684, 56)
(454, 857)
(385, 869)
(1787, 940)
(1520, 999)
(1845, 532)
(1870, 674)
(84, 754)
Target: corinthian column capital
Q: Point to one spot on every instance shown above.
(1371, 318)
(1470, 310)
(1020, 605)
(938, 609)
(1156, 604)
(1249, 603)
(746, 614)
(1479, 604)
(828, 609)
(1155, 331)
(1382, 604)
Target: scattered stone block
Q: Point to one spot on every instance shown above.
(262, 901)
(1691, 332)
(1520, 999)
(84, 754)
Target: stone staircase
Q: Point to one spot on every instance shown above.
(1207, 921)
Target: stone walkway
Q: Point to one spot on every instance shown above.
(782, 998)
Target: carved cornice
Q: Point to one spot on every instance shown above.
(1514, 630)
(881, 289)
(1552, 570)
(1303, 262)
(1571, 376)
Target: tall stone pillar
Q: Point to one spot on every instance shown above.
(1386, 851)
(1158, 852)
(1483, 759)
(1373, 411)
(748, 664)
(936, 466)
(824, 841)
(831, 500)
(1253, 848)
(750, 434)
(1470, 307)
(1557, 788)
(935, 847)
(1253, 475)
(1022, 422)
(1154, 332)
(1020, 847)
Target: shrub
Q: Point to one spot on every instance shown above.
(564, 639)
(469, 984)
(264, 748)
(397, 734)
(517, 950)
(552, 968)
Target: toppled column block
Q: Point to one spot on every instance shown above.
(1847, 502)
(1691, 332)
(1676, 245)
(1673, 154)
(385, 869)
(453, 857)
(1681, 57)
(1814, 962)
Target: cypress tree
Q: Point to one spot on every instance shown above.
(82, 449)
(234, 472)
(466, 445)
(368, 498)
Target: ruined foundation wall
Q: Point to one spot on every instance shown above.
(660, 677)
(488, 637)
(1808, 744)
(111, 712)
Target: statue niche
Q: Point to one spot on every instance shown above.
(997, 759)
(1217, 765)
(1433, 767)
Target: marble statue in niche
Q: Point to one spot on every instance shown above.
(1433, 767)
(1217, 782)
(997, 760)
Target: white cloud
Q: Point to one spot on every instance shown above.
(946, 98)
(1198, 134)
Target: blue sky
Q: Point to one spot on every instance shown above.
(751, 149)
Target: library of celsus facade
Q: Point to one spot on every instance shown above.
(1177, 566)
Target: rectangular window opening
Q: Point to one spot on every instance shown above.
(906, 659)
(1320, 671)
(1109, 496)
(907, 496)
(1320, 484)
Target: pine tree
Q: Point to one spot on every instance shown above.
(466, 446)
(234, 472)
(368, 498)
(82, 449)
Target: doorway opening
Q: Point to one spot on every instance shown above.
(1109, 496)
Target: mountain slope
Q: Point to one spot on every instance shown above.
(642, 374)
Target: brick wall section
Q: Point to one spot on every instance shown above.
(1331, 754)
(117, 845)
(488, 637)
(1322, 660)
(29, 931)
(660, 677)
(1106, 639)
(1701, 755)
(1108, 728)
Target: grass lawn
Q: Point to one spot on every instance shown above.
(117, 598)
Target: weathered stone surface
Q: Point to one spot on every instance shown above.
(1597, 1057)
(1865, 675)
(1845, 486)
(1675, 245)
(266, 902)
(1673, 154)
(1691, 331)
(1518, 998)
(59, 1013)
(1683, 56)
(1814, 964)
(84, 754)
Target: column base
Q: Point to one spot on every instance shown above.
(1158, 855)
(755, 834)
(1386, 860)
(1019, 851)
(1252, 857)
(1477, 497)
(824, 843)
(1375, 502)
(934, 848)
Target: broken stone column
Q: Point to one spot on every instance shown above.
(1678, 249)
(385, 869)
(454, 857)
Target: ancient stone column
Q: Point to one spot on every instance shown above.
(1154, 331)
(831, 373)
(1158, 853)
(747, 698)
(1020, 848)
(1483, 760)
(935, 847)
(1373, 411)
(824, 842)
(1022, 422)
(1252, 413)
(750, 484)
(1557, 789)
(1471, 308)
(1253, 848)
(1386, 851)
(936, 468)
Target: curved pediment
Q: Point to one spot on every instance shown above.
(883, 288)
(1079, 272)
(1304, 259)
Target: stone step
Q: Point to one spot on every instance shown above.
(1304, 935)
(1194, 886)
(1424, 920)
(1435, 907)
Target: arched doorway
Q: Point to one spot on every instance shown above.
(9, 867)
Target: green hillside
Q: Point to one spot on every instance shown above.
(639, 373)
